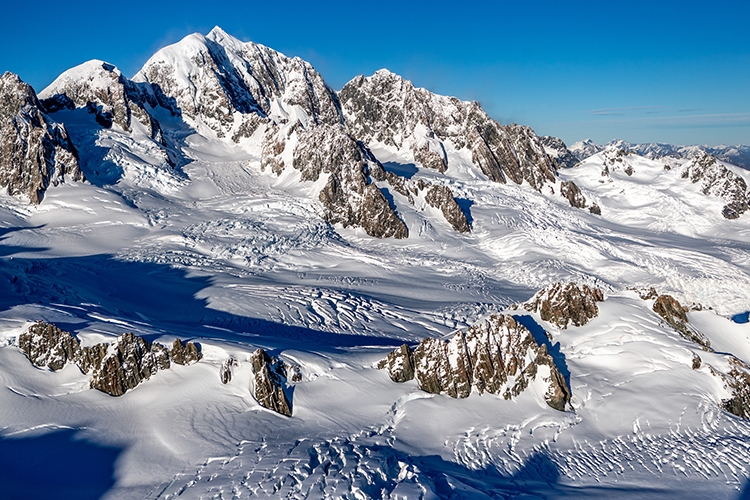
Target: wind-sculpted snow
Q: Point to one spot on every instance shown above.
(34, 151)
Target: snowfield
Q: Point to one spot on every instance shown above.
(232, 256)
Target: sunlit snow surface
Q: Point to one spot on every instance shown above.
(236, 259)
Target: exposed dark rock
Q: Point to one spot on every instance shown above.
(498, 355)
(594, 209)
(718, 180)
(47, 346)
(114, 368)
(738, 382)
(104, 91)
(566, 304)
(557, 150)
(442, 197)
(697, 362)
(184, 353)
(34, 151)
(572, 193)
(388, 109)
(675, 315)
(648, 293)
(132, 361)
(399, 363)
(270, 382)
(349, 197)
(225, 373)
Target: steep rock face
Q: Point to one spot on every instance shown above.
(737, 381)
(128, 362)
(115, 368)
(270, 383)
(558, 151)
(441, 197)
(566, 304)
(572, 193)
(184, 353)
(498, 355)
(227, 84)
(385, 108)
(717, 180)
(348, 196)
(675, 314)
(102, 89)
(225, 373)
(34, 151)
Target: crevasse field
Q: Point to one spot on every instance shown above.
(234, 257)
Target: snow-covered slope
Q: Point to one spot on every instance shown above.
(232, 248)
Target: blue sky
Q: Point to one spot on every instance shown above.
(641, 71)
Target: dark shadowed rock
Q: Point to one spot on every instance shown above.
(737, 381)
(442, 197)
(675, 315)
(498, 356)
(225, 373)
(557, 150)
(184, 353)
(34, 151)
(566, 304)
(270, 382)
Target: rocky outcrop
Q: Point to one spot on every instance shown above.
(34, 151)
(498, 356)
(566, 304)
(737, 381)
(184, 353)
(102, 89)
(399, 364)
(572, 193)
(225, 373)
(385, 108)
(717, 180)
(675, 314)
(349, 197)
(270, 383)
(441, 197)
(114, 368)
(558, 151)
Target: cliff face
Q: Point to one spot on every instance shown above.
(717, 180)
(114, 368)
(387, 109)
(498, 356)
(34, 151)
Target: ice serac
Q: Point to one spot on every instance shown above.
(232, 87)
(114, 368)
(270, 383)
(675, 314)
(34, 151)
(565, 304)
(387, 109)
(497, 355)
(717, 180)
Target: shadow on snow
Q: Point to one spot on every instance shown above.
(55, 465)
